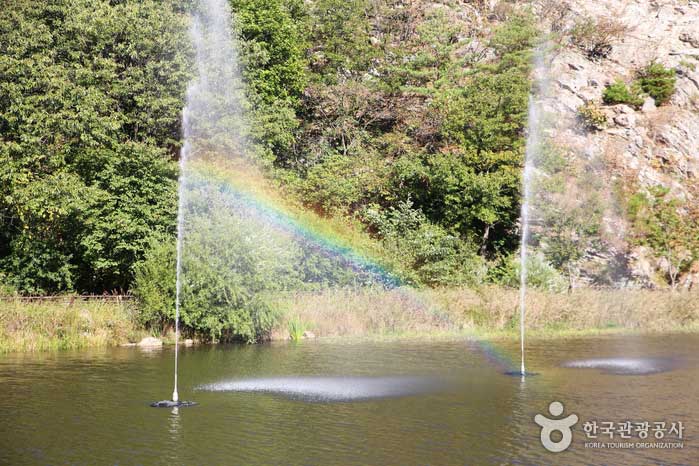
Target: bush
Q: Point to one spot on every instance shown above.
(668, 226)
(540, 274)
(429, 254)
(228, 267)
(658, 82)
(620, 93)
(5, 288)
(591, 116)
(341, 183)
(154, 285)
(596, 37)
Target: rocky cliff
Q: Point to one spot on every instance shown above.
(635, 147)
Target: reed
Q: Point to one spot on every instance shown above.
(490, 311)
(66, 324)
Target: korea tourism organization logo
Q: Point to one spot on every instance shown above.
(557, 432)
(549, 426)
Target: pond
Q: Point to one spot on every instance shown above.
(358, 402)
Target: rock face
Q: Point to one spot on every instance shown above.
(644, 147)
(150, 342)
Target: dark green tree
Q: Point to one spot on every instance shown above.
(90, 106)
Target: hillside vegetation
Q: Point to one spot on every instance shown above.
(396, 127)
(405, 117)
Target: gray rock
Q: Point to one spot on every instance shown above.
(625, 120)
(690, 39)
(150, 342)
(648, 105)
(616, 132)
(624, 109)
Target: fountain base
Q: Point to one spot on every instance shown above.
(520, 373)
(172, 404)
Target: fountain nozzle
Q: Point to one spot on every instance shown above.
(175, 396)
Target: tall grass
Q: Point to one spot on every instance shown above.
(489, 310)
(65, 324)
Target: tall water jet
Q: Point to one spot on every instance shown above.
(212, 124)
(524, 219)
(533, 146)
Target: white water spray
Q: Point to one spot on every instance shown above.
(534, 125)
(180, 241)
(212, 123)
(525, 233)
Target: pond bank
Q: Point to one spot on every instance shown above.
(66, 324)
(372, 314)
(488, 312)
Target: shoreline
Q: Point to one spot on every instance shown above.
(57, 345)
(486, 313)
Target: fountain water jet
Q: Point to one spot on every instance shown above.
(534, 125)
(212, 123)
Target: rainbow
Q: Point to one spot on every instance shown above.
(245, 185)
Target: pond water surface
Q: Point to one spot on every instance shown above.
(345, 403)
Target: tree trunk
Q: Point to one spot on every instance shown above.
(570, 279)
(484, 242)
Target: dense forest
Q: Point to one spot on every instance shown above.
(407, 117)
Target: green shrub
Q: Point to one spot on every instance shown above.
(658, 82)
(427, 252)
(297, 328)
(154, 285)
(620, 93)
(340, 183)
(6, 289)
(591, 116)
(540, 274)
(668, 226)
(228, 268)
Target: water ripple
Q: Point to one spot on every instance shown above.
(332, 388)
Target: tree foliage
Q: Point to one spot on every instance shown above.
(90, 119)
(658, 82)
(660, 223)
(356, 106)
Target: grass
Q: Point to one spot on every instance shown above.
(489, 312)
(65, 324)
